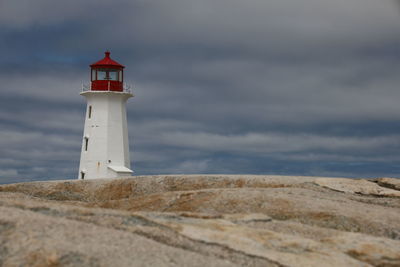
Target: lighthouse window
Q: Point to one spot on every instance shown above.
(93, 75)
(102, 75)
(86, 143)
(113, 75)
(90, 112)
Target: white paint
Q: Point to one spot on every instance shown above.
(107, 154)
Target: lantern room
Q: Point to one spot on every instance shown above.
(107, 75)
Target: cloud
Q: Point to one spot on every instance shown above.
(191, 166)
(27, 14)
(276, 142)
(396, 2)
(286, 87)
(9, 173)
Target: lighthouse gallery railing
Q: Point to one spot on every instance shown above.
(126, 88)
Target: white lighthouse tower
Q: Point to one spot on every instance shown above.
(105, 147)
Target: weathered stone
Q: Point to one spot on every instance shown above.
(356, 186)
(389, 183)
(200, 220)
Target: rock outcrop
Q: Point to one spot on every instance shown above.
(201, 220)
(362, 187)
(389, 183)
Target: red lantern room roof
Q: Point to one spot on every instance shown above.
(107, 62)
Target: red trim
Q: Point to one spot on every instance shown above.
(115, 86)
(107, 62)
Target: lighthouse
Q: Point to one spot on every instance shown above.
(105, 145)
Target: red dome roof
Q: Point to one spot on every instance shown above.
(107, 62)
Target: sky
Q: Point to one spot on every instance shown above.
(285, 87)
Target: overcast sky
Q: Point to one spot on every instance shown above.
(294, 87)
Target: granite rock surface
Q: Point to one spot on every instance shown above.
(201, 220)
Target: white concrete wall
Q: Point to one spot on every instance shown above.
(107, 134)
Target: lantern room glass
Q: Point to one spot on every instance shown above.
(106, 75)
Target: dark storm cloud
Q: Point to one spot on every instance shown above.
(397, 2)
(305, 87)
